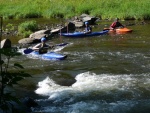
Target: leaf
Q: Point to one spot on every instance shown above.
(18, 65)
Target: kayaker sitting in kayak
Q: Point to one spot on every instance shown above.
(116, 24)
(42, 47)
(88, 29)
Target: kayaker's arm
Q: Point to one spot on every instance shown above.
(39, 46)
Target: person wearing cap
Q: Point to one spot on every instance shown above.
(88, 29)
(116, 24)
(41, 47)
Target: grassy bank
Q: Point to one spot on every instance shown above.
(124, 9)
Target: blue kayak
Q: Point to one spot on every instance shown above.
(48, 55)
(28, 51)
(81, 34)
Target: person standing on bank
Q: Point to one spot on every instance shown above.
(88, 29)
(116, 24)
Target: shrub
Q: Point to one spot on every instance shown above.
(27, 27)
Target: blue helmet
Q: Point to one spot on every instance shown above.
(43, 39)
(86, 23)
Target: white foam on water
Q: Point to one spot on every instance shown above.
(59, 48)
(79, 98)
(49, 88)
(21, 50)
(88, 82)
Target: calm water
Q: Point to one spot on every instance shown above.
(104, 74)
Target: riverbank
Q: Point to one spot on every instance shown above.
(109, 9)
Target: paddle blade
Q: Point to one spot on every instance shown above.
(28, 51)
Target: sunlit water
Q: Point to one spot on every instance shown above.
(104, 74)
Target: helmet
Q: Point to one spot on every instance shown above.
(86, 23)
(43, 39)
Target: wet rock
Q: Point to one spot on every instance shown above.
(35, 37)
(89, 19)
(28, 41)
(78, 24)
(83, 15)
(68, 26)
(6, 43)
(39, 34)
(79, 21)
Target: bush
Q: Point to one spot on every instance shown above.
(27, 27)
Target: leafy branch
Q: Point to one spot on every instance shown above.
(9, 76)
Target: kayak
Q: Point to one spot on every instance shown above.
(123, 30)
(27, 51)
(81, 34)
(48, 56)
(120, 30)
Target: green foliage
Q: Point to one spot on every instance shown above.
(136, 9)
(26, 33)
(10, 27)
(9, 76)
(26, 28)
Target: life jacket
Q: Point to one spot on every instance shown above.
(43, 49)
(116, 24)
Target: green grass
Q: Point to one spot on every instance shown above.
(106, 9)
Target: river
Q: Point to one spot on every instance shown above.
(102, 74)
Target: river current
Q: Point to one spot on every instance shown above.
(102, 74)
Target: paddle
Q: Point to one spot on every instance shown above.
(29, 50)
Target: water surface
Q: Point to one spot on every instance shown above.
(103, 74)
